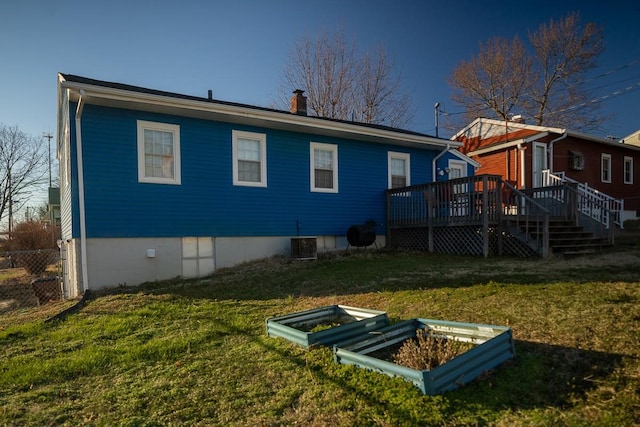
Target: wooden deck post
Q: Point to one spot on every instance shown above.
(485, 216)
(430, 209)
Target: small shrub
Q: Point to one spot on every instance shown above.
(31, 235)
(38, 238)
(428, 350)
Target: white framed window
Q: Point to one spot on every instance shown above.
(628, 170)
(399, 168)
(605, 167)
(158, 153)
(457, 169)
(324, 167)
(249, 158)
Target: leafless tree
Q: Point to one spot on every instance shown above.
(22, 169)
(565, 52)
(545, 83)
(495, 81)
(341, 84)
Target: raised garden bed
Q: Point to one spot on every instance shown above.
(328, 325)
(492, 346)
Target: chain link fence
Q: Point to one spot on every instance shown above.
(29, 279)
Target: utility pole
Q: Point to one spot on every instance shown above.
(437, 111)
(10, 204)
(48, 136)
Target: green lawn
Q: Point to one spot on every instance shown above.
(196, 352)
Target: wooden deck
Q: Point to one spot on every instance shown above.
(480, 215)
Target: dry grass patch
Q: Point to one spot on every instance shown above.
(428, 350)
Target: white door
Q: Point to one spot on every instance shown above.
(459, 204)
(539, 163)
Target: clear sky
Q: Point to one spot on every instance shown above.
(238, 48)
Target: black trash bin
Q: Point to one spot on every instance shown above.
(361, 235)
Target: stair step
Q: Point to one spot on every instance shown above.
(578, 249)
(578, 252)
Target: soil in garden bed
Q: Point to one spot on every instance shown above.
(323, 323)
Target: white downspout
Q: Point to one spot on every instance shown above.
(551, 144)
(435, 159)
(83, 227)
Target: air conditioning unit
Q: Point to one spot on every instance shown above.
(304, 248)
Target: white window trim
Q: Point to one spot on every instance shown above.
(164, 127)
(407, 163)
(262, 138)
(458, 164)
(628, 160)
(334, 151)
(608, 157)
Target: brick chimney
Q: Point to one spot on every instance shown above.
(298, 103)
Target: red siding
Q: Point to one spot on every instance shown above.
(592, 152)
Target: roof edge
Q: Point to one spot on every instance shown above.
(124, 92)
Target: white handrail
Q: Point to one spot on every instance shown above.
(589, 196)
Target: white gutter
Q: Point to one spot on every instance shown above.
(247, 112)
(550, 149)
(83, 226)
(435, 159)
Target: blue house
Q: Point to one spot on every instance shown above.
(156, 185)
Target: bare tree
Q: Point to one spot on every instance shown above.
(495, 81)
(22, 169)
(341, 84)
(545, 83)
(565, 52)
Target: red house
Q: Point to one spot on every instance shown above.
(536, 156)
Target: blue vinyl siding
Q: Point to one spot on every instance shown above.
(207, 203)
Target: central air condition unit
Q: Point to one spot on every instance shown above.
(304, 248)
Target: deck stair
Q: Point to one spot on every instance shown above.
(566, 238)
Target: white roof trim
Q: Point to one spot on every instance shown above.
(508, 144)
(465, 158)
(246, 113)
(515, 125)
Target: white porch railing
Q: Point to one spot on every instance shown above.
(590, 197)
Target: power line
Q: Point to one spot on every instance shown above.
(614, 94)
(599, 99)
(614, 70)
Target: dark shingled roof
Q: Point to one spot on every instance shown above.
(131, 88)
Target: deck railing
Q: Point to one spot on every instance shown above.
(484, 202)
(597, 205)
(568, 201)
(527, 219)
(457, 201)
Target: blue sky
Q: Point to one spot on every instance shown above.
(239, 48)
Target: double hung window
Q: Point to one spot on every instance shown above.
(398, 167)
(628, 170)
(158, 153)
(605, 169)
(324, 167)
(249, 159)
